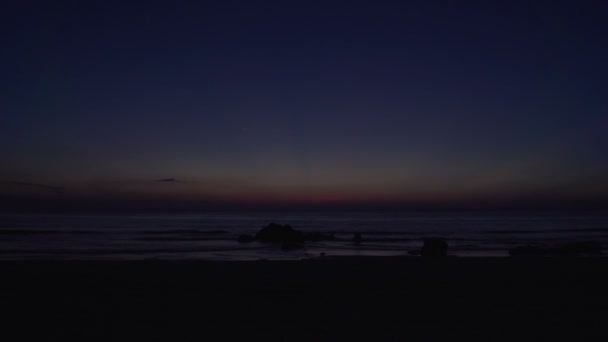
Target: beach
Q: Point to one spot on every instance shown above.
(370, 170)
(328, 299)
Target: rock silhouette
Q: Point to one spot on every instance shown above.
(584, 248)
(246, 238)
(527, 251)
(318, 236)
(285, 235)
(434, 247)
(279, 233)
(579, 248)
(291, 245)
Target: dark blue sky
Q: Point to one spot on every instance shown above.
(304, 102)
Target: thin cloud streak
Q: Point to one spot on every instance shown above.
(37, 185)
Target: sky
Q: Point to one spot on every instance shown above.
(194, 104)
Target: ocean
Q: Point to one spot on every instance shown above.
(214, 236)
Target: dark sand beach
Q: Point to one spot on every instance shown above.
(372, 298)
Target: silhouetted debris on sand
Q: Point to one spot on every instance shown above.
(434, 247)
(585, 248)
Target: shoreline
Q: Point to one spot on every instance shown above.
(218, 236)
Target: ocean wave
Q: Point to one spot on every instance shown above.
(182, 238)
(134, 251)
(183, 231)
(48, 232)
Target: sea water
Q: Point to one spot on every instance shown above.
(214, 236)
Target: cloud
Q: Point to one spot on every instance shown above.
(37, 185)
(168, 180)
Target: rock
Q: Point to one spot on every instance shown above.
(434, 247)
(284, 234)
(317, 236)
(527, 251)
(291, 245)
(246, 238)
(279, 233)
(578, 248)
(568, 249)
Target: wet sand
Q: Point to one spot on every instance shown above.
(350, 298)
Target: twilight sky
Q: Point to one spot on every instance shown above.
(302, 102)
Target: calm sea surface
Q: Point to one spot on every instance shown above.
(214, 235)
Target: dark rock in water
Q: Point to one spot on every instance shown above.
(527, 251)
(279, 233)
(357, 237)
(288, 237)
(434, 247)
(246, 238)
(578, 248)
(317, 236)
(291, 245)
(568, 249)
